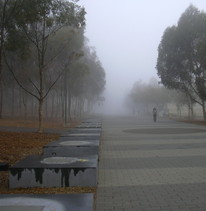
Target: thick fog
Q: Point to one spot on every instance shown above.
(126, 35)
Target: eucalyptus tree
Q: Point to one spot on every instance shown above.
(181, 56)
(94, 83)
(37, 25)
(75, 80)
(85, 82)
(71, 71)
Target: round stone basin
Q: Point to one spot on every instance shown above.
(61, 160)
(21, 203)
(75, 143)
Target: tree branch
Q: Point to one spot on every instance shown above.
(16, 79)
(55, 81)
(33, 84)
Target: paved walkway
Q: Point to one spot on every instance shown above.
(151, 166)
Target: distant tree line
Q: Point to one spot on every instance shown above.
(143, 97)
(47, 69)
(181, 62)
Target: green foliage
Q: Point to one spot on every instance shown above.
(45, 46)
(181, 55)
(87, 76)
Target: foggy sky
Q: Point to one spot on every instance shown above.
(126, 35)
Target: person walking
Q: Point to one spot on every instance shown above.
(154, 114)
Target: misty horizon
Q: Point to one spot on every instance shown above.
(126, 38)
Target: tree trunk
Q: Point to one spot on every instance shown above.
(32, 108)
(41, 57)
(204, 110)
(69, 106)
(65, 109)
(58, 107)
(65, 100)
(12, 100)
(52, 105)
(179, 110)
(191, 111)
(41, 100)
(40, 130)
(1, 97)
(46, 108)
(62, 105)
(21, 101)
(1, 80)
(24, 100)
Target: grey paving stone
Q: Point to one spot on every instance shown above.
(155, 146)
(153, 195)
(169, 130)
(155, 162)
(151, 171)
